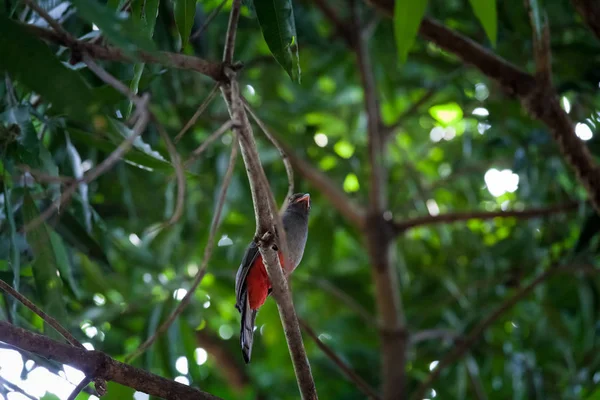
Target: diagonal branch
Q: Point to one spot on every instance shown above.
(538, 98)
(402, 226)
(100, 365)
(466, 344)
(211, 69)
(345, 369)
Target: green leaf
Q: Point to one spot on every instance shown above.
(27, 140)
(184, 11)
(123, 33)
(45, 266)
(276, 19)
(407, 19)
(485, 11)
(30, 61)
(590, 229)
(63, 263)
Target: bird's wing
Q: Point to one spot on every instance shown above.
(242, 272)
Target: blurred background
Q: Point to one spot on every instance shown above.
(107, 270)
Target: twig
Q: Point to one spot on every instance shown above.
(48, 319)
(15, 388)
(51, 21)
(284, 157)
(209, 19)
(100, 364)
(179, 172)
(198, 112)
(473, 337)
(268, 222)
(229, 47)
(41, 176)
(108, 78)
(109, 53)
(541, 48)
(403, 226)
(211, 138)
(345, 369)
(216, 222)
(82, 385)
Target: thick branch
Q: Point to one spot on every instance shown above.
(473, 337)
(403, 226)
(99, 365)
(211, 69)
(590, 12)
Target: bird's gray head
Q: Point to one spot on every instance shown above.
(299, 203)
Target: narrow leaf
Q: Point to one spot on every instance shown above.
(485, 11)
(184, 11)
(30, 61)
(119, 30)
(276, 19)
(407, 19)
(45, 266)
(64, 264)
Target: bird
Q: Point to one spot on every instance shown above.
(252, 285)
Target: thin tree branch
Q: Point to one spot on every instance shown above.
(590, 12)
(109, 53)
(284, 157)
(209, 19)
(199, 111)
(402, 226)
(345, 369)
(538, 98)
(15, 388)
(269, 228)
(47, 318)
(216, 223)
(82, 385)
(473, 337)
(51, 21)
(98, 364)
(211, 138)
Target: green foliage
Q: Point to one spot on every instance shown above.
(184, 11)
(407, 19)
(485, 11)
(276, 18)
(110, 272)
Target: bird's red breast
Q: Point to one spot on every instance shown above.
(258, 282)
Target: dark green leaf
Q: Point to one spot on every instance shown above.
(590, 229)
(30, 61)
(485, 11)
(276, 19)
(27, 140)
(46, 266)
(64, 264)
(184, 11)
(124, 33)
(407, 19)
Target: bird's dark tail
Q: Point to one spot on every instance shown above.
(247, 328)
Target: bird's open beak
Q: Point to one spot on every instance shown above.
(305, 198)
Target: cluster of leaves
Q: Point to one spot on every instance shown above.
(107, 271)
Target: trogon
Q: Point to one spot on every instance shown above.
(252, 284)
